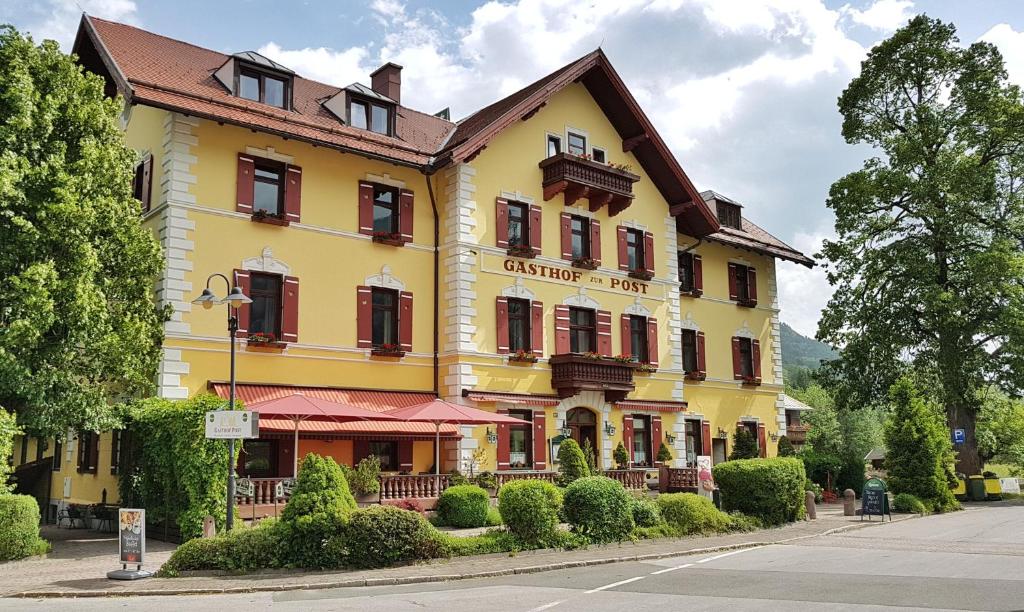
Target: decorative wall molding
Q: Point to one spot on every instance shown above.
(459, 274)
(265, 262)
(270, 153)
(669, 249)
(745, 332)
(517, 196)
(634, 224)
(637, 308)
(580, 299)
(384, 279)
(689, 323)
(518, 290)
(385, 179)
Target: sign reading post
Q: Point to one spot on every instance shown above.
(131, 544)
(232, 424)
(875, 500)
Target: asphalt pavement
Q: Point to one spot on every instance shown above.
(971, 560)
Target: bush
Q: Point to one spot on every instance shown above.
(380, 536)
(744, 445)
(621, 456)
(19, 527)
(816, 489)
(689, 513)
(572, 464)
(8, 429)
(589, 455)
(664, 454)
(240, 550)
(464, 506)
(785, 448)
(645, 511)
(598, 508)
(908, 504)
(316, 512)
(529, 509)
(363, 478)
(486, 480)
(851, 475)
(457, 478)
(771, 490)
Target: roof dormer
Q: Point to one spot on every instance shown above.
(251, 76)
(729, 211)
(361, 107)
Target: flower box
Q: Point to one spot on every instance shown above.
(747, 303)
(522, 357)
(524, 252)
(392, 238)
(698, 376)
(584, 263)
(691, 292)
(750, 380)
(387, 350)
(641, 274)
(262, 216)
(646, 368)
(264, 341)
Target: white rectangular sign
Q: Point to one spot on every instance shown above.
(232, 424)
(1009, 485)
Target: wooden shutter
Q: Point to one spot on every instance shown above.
(752, 286)
(82, 450)
(502, 312)
(501, 222)
(58, 454)
(737, 365)
(405, 214)
(762, 445)
(242, 281)
(620, 238)
(627, 435)
(702, 368)
(734, 293)
(364, 317)
(755, 356)
(245, 184)
(366, 208)
(290, 308)
(627, 337)
(146, 195)
(652, 341)
(503, 444)
(94, 452)
(562, 344)
(292, 193)
(698, 273)
(115, 446)
(565, 228)
(649, 252)
(705, 437)
(540, 441)
(405, 455)
(405, 320)
(595, 241)
(535, 228)
(537, 328)
(604, 333)
(655, 439)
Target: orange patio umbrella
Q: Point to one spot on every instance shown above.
(298, 408)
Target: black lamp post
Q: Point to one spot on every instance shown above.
(234, 300)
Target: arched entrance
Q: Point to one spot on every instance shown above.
(583, 423)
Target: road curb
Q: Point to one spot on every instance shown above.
(387, 581)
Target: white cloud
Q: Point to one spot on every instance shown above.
(58, 19)
(883, 15)
(321, 64)
(1011, 45)
(803, 293)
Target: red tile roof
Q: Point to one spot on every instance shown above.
(753, 237)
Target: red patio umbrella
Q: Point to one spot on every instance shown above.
(299, 407)
(440, 412)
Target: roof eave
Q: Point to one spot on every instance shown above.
(87, 29)
(795, 257)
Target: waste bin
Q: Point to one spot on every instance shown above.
(976, 488)
(716, 497)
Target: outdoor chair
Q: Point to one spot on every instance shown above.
(71, 514)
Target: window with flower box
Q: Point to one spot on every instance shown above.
(268, 190)
(636, 252)
(581, 241)
(640, 339)
(386, 213)
(691, 274)
(384, 320)
(518, 227)
(520, 328)
(746, 360)
(743, 285)
(693, 354)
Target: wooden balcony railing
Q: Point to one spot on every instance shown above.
(412, 486)
(505, 477)
(263, 491)
(579, 178)
(631, 479)
(676, 480)
(797, 434)
(572, 373)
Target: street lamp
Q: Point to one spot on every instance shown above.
(234, 300)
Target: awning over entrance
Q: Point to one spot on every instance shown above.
(511, 398)
(658, 406)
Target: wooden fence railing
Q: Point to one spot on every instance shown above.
(412, 486)
(675, 480)
(631, 479)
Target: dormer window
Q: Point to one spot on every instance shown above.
(261, 87)
(251, 76)
(367, 115)
(729, 215)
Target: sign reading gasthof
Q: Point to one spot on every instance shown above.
(232, 424)
(131, 535)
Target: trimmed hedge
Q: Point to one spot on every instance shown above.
(572, 463)
(19, 527)
(529, 509)
(689, 513)
(645, 511)
(380, 536)
(316, 512)
(464, 506)
(599, 508)
(240, 550)
(908, 504)
(772, 490)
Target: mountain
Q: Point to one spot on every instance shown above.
(800, 351)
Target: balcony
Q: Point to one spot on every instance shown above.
(797, 434)
(572, 373)
(577, 178)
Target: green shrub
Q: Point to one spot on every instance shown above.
(851, 475)
(380, 536)
(598, 508)
(457, 478)
(316, 512)
(908, 504)
(493, 517)
(572, 464)
(664, 454)
(240, 550)
(744, 445)
(493, 541)
(464, 506)
(786, 448)
(621, 456)
(529, 509)
(486, 480)
(19, 527)
(363, 479)
(771, 490)
(645, 511)
(689, 513)
(8, 429)
(589, 455)
(819, 493)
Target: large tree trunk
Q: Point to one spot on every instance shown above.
(968, 460)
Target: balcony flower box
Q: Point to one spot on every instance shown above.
(584, 263)
(387, 350)
(691, 292)
(264, 341)
(262, 216)
(646, 368)
(392, 238)
(522, 357)
(522, 251)
(575, 372)
(751, 380)
(641, 274)
(697, 376)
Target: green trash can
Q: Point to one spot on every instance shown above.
(976, 488)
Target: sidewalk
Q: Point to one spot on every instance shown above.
(77, 567)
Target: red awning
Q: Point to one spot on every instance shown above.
(652, 405)
(512, 398)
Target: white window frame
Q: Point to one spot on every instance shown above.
(603, 151)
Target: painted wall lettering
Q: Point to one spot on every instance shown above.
(543, 271)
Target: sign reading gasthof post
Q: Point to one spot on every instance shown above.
(875, 499)
(131, 544)
(232, 424)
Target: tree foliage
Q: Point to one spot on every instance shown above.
(1001, 429)
(76, 267)
(8, 429)
(927, 264)
(572, 465)
(744, 445)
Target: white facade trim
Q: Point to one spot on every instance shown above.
(580, 299)
(637, 308)
(689, 323)
(269, 153)
(745, 332)
(384, 179)
(517, 196)
(384, 279)
(266, 263)
(458, 286)
(518, 290)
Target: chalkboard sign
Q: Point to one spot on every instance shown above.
(875, 500)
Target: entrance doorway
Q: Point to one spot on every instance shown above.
(583, 424)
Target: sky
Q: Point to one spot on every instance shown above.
(743, 91)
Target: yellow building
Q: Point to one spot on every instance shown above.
(546, 257)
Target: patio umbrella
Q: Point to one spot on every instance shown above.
(298, 408)
(440, 412)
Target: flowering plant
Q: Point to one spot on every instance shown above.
(263, 214)
(386, 236)
(622, 167)
(624, 358)
(521, 250)
(387, 347)
(522, 355)
(261, 338)
(586, 263)
(592, 355)
(641, 274)
(646, 368)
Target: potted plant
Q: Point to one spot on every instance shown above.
(488, 481)
(521, 250)
(262, 216)
(621, 457)
(584, 263)
(592, 355)
(751, 380)
(387, 350)
(624, 358)
(696, 375)
(364, 480)
(523, 356)
(645, 368)
(263, 339)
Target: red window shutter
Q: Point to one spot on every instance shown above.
(702, 367)
(366, 208)
(705, 437)
(245, 184)
(242, 282)
(405, 455)
(540, 441)
(565, 227)
(502, 312)
(82, 448)
(293, 193)
(698, 273)
(503, 444)
(290, 306)
(737, 366)
(627, 435)
(649, 252)
(364, 317)
(405, 320)
(604, 333)
(755, 355)
(94, 452)
(652, 341)
(147, 183)
(762, 446)
(501, 222)
(620, 238)
(627, 337)
(655, 439)
(535, 228)
(752, 286)
(595, 241)
(734, 293)
(405, 214)
(561, 330)
(537, 328)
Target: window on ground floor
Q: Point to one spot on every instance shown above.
(642, 454)
(520, 437)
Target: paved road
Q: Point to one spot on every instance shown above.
(972, 560)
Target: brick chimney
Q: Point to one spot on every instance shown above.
(387, 81)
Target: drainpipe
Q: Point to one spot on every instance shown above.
(437, 270)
